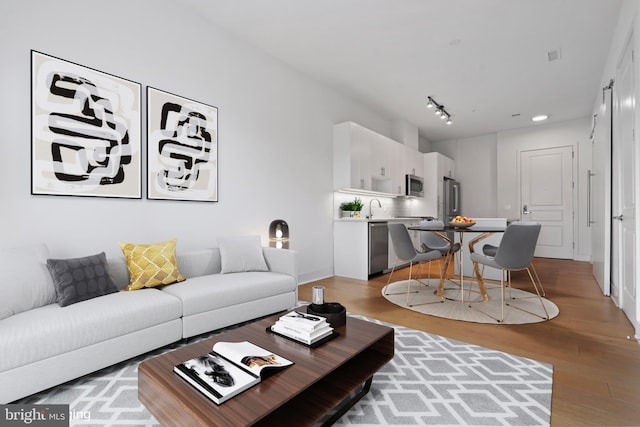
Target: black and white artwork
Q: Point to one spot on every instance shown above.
(85, 136)
(182, 150)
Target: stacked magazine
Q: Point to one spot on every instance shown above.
(306, 328)
(229, 369)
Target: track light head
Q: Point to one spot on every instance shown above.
(439, 110)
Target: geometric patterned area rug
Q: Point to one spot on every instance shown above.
(522, 307)
(432, 380)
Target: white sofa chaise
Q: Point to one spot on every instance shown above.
(43, 344)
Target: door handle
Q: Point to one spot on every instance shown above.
(525, 210)
(619, 217)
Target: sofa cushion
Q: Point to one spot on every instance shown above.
(25, 282)
(151, 264)
(51, 330)
(239, 254)
(207, 293)
(79, 279)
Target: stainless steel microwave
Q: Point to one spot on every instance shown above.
(414, 186)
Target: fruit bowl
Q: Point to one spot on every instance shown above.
(461, 224)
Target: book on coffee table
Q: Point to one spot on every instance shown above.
(303, 321)
(302, 327)
(230, 369)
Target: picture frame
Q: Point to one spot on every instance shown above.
(182, 148)
(85, 131)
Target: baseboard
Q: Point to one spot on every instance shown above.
(314, 276)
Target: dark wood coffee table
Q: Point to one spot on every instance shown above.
(320, 380)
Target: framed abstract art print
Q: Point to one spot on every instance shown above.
(85, 131)
(182, 148)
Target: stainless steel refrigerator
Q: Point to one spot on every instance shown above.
(451, 198)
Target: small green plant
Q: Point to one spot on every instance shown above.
(355, 206)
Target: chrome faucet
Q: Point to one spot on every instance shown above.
(370, 211)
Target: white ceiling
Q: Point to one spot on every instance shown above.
(484, 60)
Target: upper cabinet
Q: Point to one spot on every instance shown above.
(365, 160)
(351, 157)
(368, 161)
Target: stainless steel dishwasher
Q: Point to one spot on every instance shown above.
(378, 247)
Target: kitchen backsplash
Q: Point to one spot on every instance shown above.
(391, 207)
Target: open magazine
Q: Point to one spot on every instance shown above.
(231, 368)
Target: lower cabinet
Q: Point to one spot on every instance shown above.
(351, 247)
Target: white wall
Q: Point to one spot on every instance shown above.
(486, 166)
(509, 145)
(475, 168)
(275, 131)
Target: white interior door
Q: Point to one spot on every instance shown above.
(599, 193)
(624, 190)
(546, 189)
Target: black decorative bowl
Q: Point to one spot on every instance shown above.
(334, 312)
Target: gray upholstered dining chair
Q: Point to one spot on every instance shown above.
(490, 250)
(515, 253)
(431, 241)
(406, 252)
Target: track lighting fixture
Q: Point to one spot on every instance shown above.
(440, 111)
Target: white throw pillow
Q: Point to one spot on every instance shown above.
(239, 254)
(25, 282)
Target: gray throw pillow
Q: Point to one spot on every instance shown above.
(80, 279)
(239, 254)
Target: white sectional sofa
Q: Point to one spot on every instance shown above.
(43, 344)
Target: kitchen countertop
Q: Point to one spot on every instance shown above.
(381, 219)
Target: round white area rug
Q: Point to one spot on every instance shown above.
(523, 307)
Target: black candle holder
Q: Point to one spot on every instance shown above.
(334, 312)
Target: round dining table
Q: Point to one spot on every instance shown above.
(444, 232)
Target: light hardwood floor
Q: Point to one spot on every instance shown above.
(596, 379)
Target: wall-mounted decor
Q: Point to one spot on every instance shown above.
(182, 151)
(85, 131)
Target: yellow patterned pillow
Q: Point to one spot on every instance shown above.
(151, 265)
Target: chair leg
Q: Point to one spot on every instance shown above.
(420, 277)
(535, 273)
(409, 283)
(389, 279)
(502, 294)
(440, 301)
(386, 288)
(535, 286)
(502, 299)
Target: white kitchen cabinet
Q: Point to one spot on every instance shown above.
(436, 167)
(351, 249)
(366, 160)
(414, 162)
(384, 152)
(351, 157)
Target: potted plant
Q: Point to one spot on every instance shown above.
(351, 209)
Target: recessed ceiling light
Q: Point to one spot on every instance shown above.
(539, 118)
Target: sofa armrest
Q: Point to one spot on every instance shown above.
(282, 261)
